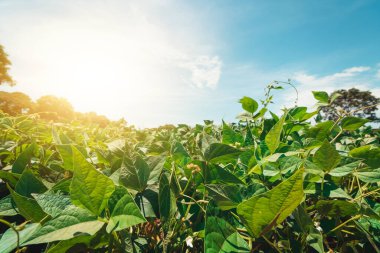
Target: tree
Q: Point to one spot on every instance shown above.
(15, 103)
(358, 103)
(54, 108)
(5, 78)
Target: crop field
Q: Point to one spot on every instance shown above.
(266, 183)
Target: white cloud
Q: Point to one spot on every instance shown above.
(205, 70)
(360, 77)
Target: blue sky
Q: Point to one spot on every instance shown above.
(157, 62)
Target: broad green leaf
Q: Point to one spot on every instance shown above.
(370, 154)
(229, 136)
(166, 198)
(135, 176)
(320, 131)
(226, 197)
(221, 153)
(7, 207)
(9, 177)
(353, 123)
(215, 174)
(272, 139)
(321, 96)
(124, 211)
(369, 175)
(68, 245)
(27, 207)
(336, 208)
(326, 157)
(249, 104)
(262, 212)
(72, 221)
(24, 158)
(8, 241)
(89, 188)
(53, 204)
(66, 153)
(28, 184)
(344, 170)
(221, 237)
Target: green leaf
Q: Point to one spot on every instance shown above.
(222, 237)
(124, 211)
(9, 177)
(336, 208)
(53, 204)
(249, 104)
(262, 212)
(166, 198)
(7, 208)
(215, 174)
(344, 170)
(72, 221)
(226, 197)
(8, 241)
(27, 207)
(135, 176)
(321, 96)
(370, 154)
(221, 153)
(24, 158)
(313, 237)
(28, 184)
(369, 175)
(89, 188)
(272, 139)
(229, 136)
(326, 157)
(353, 123)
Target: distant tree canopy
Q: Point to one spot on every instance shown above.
(15, 103)
(54, 108)
(47, 107)
(5, 63)
(359, 103)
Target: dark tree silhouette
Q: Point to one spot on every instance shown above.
(358, 103)
(5, 63)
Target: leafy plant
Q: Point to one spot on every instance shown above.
(266, 183)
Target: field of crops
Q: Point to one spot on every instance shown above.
(267, 183)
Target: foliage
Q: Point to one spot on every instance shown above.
(5, 78)
(350, 102)
(267, 183)
(15, 103)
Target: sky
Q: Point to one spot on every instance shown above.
(173, 61)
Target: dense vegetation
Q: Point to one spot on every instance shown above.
(267, 183)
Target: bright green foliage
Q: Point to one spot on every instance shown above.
(353, 123)
(321, 96)
(124, 211)
(249, 104)
(265, 183)
(135, 175)
(71, 221)
(89, 188)
(326, 157)
(272, 139)
(369, 154)
(8, 241)
(27, 207)
(222, 237)
(221, 153)
(23, 159)
(265, 211)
